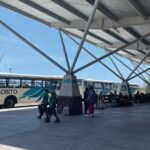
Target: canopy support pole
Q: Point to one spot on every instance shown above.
(64, 50)
(130, 69)
(110, 53)
(137, 66)
(87, 51)
(33, 46)
(85, 33)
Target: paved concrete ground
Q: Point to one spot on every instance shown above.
(111, 129)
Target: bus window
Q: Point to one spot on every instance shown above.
(96, 85)
(89, 83)
(111, 86)
(14, 83)
(38, 83)
(47, 84)
(114, 86)
(106, 85)
(51, 83)
(102, 85)
(26, 83)
(32, 83)
(2, 83)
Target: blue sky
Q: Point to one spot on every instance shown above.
(20, 58)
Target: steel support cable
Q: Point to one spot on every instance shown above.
(138, 74)
(33, 46)
(145, 72)
(137, 66)
(1, 57)
(116, 67)
(64, 50)
(130, 69)
(145, 68)
(134, 65)
(87, 51)
(112, 52)
(85, 33)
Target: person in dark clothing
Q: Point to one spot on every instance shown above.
(43, 106)
(51, 110)
(85, 102)
(137, 97)
(91, 100)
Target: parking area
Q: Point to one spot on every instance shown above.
(126, 128)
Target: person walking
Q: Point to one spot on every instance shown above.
(86, 92)
(43, 106)
(51, 110)
(91, 100)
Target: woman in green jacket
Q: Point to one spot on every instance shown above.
(51, 110)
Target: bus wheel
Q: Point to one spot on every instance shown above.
(9, 103)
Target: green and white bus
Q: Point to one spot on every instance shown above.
(26, 89)
(15, 87)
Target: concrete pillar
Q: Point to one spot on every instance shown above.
(70, 96)
(124, 88)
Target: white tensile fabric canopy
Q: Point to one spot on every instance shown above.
(115, 23)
